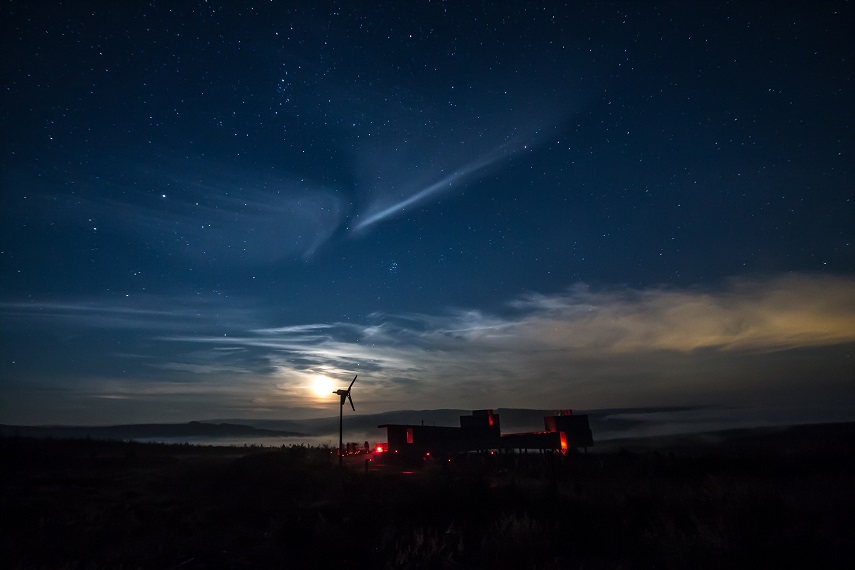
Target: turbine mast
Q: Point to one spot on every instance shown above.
(343, 395)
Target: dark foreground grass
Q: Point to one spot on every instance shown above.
(751, 499)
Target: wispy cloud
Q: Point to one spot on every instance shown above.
(599, 348)
(411, 150)
(786, 312)
(549, 340)
(207, 213)
(132, 312)
(409, 192)
(425, 153)
(421, 142)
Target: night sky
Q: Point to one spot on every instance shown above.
(212, 210)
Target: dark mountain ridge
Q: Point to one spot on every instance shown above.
(607, 423)
(147, 431)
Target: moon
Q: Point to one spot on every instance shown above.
(321, 385)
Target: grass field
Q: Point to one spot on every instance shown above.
(752, 498)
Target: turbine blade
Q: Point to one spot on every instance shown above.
(351, 383)
(351, 402)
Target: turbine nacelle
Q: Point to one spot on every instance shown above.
(345, 394)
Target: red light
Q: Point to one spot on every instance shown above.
(563, 441)
(428, 453)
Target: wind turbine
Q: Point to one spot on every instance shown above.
(344, 395)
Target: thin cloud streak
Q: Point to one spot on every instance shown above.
(476, 168)
(137, 312)
(427, 147)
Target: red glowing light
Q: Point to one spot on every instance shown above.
(428, 453)
(563, 441)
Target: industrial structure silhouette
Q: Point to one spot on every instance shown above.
(481, 431)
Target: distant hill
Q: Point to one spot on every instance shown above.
(147, 431)
(607, 424)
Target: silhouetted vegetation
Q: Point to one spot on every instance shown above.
(750, 498)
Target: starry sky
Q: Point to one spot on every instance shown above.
(227, 209)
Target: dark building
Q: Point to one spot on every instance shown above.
(575, 429)
(481, 431)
